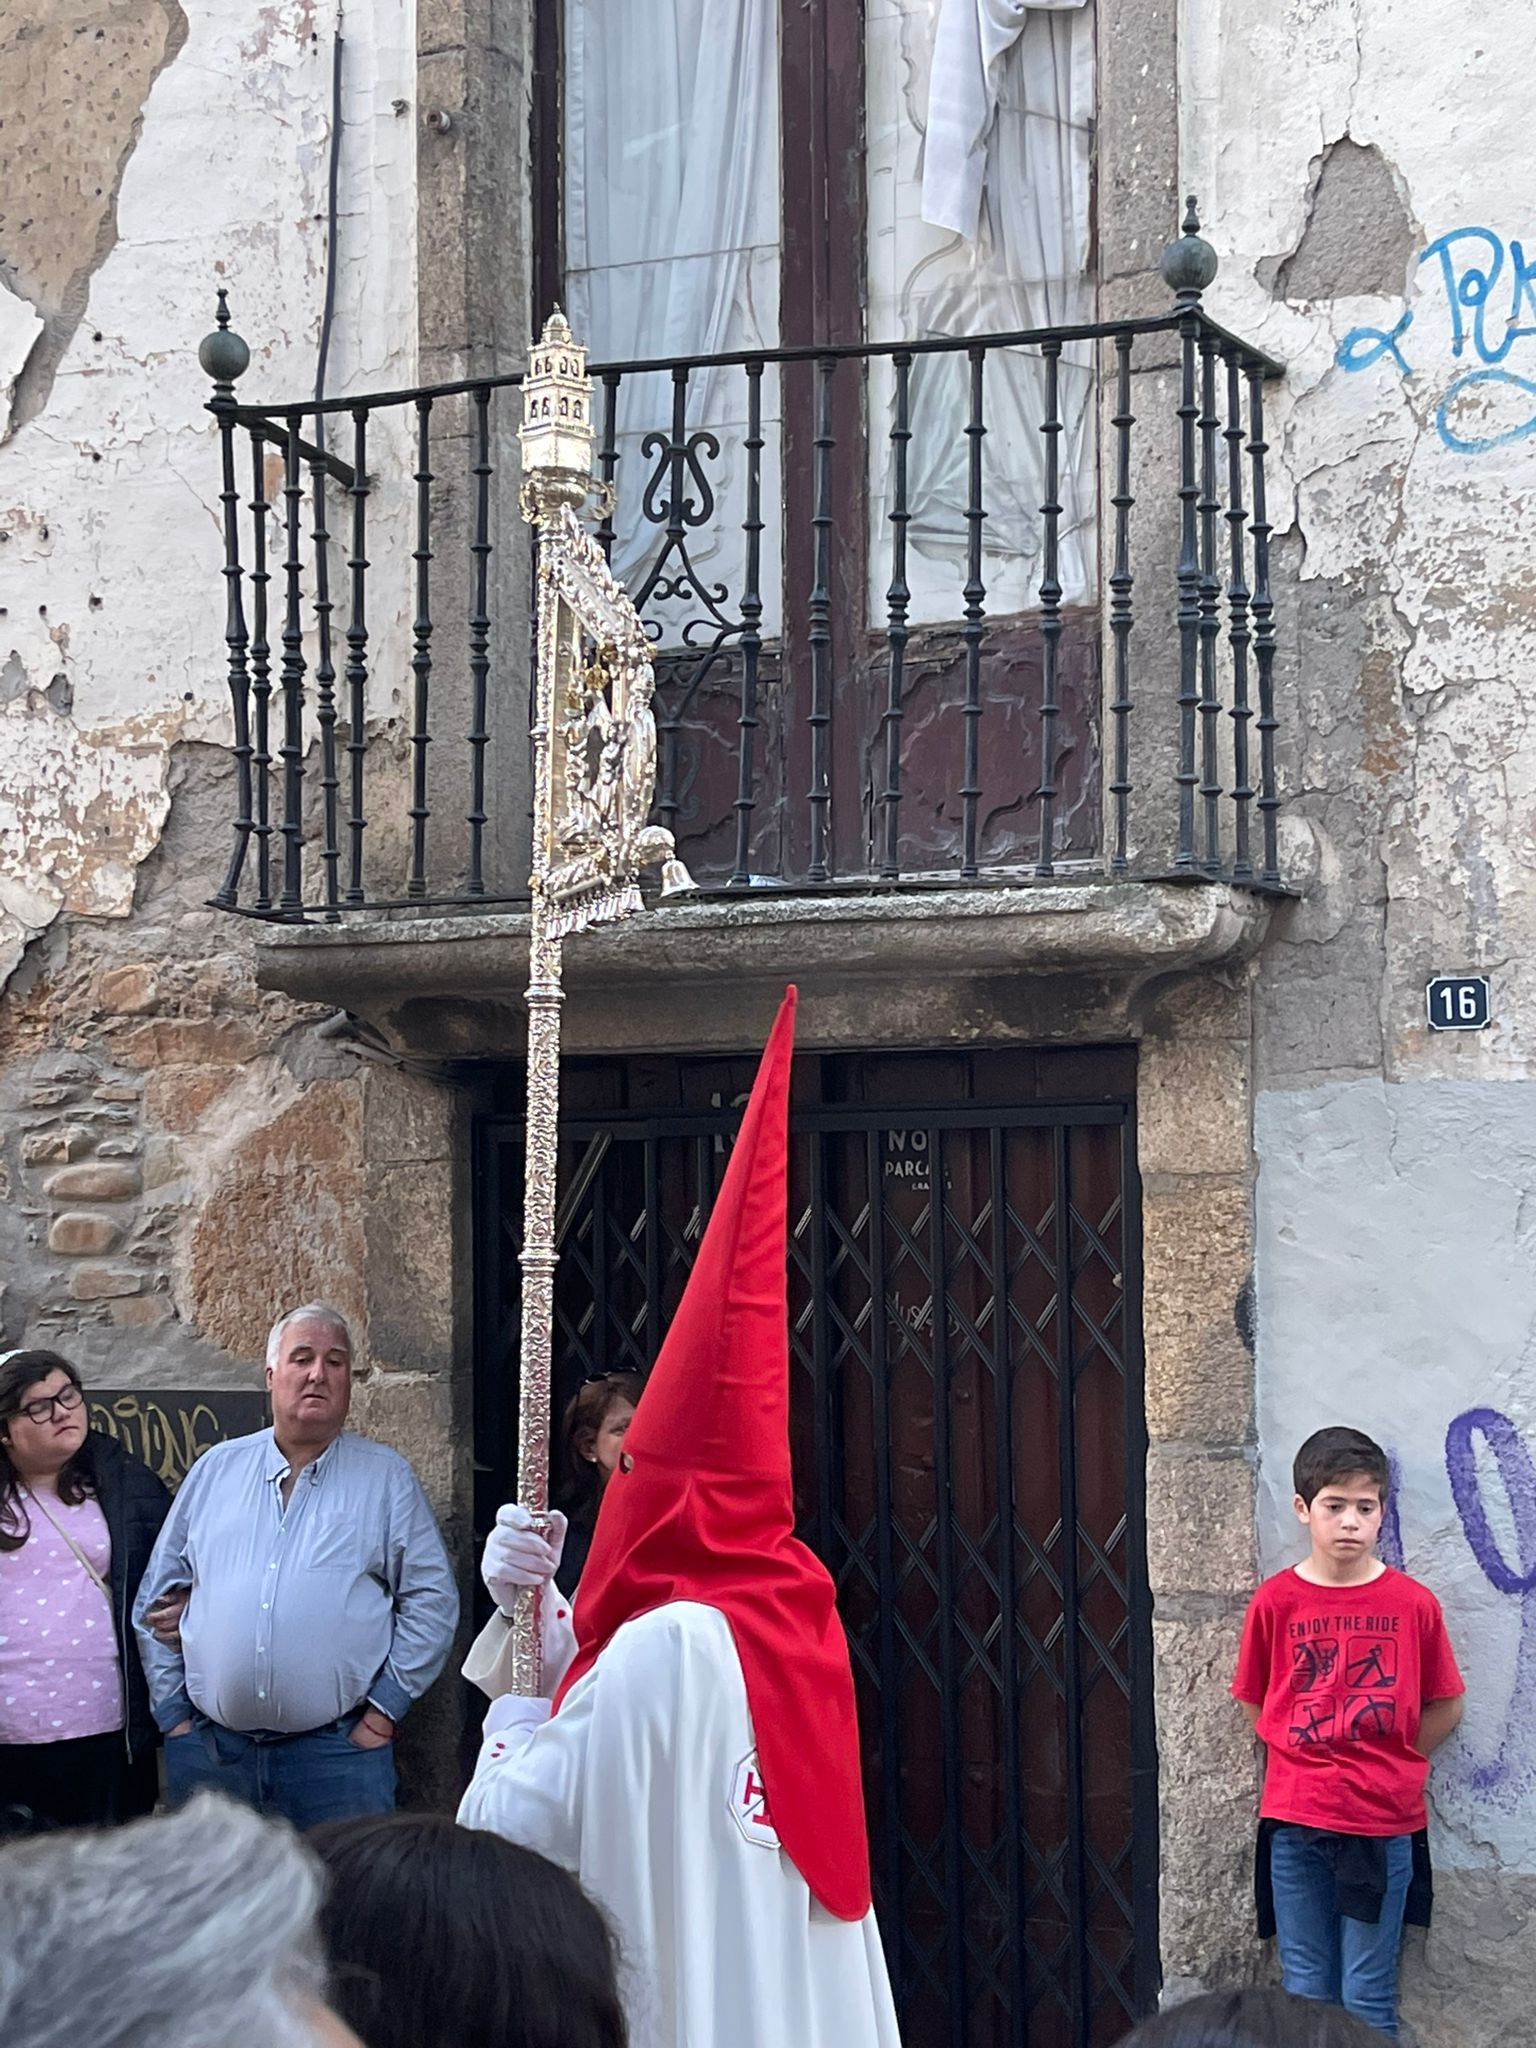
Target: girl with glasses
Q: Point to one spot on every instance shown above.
(78, 1519)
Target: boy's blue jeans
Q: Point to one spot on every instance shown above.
(321, 1775)
(1323, 1955)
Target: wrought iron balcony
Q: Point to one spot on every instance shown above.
(886, 653)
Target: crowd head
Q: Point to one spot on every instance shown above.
(43, 1425)
(443, 1934)
(192, 1931)
(593, 1430)
(309, 1374)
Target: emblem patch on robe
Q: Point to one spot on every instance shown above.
(749, 1804)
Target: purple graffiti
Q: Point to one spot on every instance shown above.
(1518, 1474)
(1390, 1545)
(1507, 1776)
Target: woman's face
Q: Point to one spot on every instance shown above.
(609, 1441)
(43, 1443)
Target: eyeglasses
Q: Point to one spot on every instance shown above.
(66, 1401)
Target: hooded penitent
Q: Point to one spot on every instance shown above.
(702, 1508)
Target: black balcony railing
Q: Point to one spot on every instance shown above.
(886, 654)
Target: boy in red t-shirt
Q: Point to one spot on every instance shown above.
(1347, 1674)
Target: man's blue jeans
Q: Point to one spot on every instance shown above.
(1323, 1955)
(320, 1775)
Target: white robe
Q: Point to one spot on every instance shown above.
(645, 1787)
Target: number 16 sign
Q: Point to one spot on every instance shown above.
(1458, 1002)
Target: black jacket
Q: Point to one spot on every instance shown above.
(134, 1503)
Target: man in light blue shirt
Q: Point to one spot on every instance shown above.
(319, 1599)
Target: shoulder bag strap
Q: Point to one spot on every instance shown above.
(85, 1562)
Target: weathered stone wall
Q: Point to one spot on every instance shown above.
(1364, 177)
(185, 1156)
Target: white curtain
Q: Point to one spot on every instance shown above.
(672, 246)
(980, 118)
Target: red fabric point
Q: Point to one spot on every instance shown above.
(705, 1511)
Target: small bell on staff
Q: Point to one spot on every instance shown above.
(676, 880)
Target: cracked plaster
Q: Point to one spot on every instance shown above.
(111, 621)
(1395, 1284)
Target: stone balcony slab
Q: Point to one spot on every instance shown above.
(1065, 959)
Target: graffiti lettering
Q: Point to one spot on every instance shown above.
(1474, 287)
(1517, 1474)
(170, 1432)
(1506, 1775)
(1363, 346)
(1488, 288)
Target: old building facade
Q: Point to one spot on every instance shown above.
(1200, 1157)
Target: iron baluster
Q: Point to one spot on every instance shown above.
(261, 673)
(480, 639)
(751, 631)
(1189, 596)
(325, 693)
(1188, 266)
(898, 598)
(676, 522)
(225, 357)
(1210, 612)
(357, 657)
(1050, 607)
(1263, 635)
(421, 652)
(608, 463)
(1238, 634)
(291, 753)
(819, 630)
(975, 619)
(1121, 617)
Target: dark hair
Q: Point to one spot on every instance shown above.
(1330, 1455)
(1254, 2019)
(585, 1413)
(448, 1937)
(21, 1370)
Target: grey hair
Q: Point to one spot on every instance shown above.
(195, 1930)
(311, 1312)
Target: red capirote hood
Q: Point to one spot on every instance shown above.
(705, 1511)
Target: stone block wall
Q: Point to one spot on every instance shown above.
(185, 1157)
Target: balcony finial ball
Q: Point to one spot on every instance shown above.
(223, 354)
(1189, 264)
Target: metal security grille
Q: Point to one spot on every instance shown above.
(970, 1452)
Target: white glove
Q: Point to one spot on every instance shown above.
(517, 1555)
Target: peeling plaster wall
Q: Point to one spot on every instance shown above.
(152, 155)
(1364, 176)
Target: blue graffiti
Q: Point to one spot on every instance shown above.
(1363, 346)
(1469, 287)
(1489, 290)
(1479, 444)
